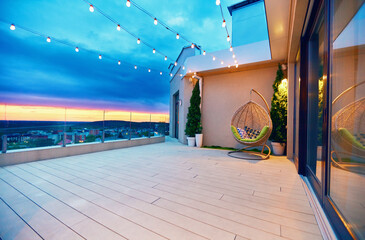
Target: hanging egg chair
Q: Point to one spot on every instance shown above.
(251, 126)
(348, 135)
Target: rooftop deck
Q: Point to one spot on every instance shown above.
(159, 191)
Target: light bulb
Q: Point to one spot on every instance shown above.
(135, 66)
(118, 27)
(222, 62)
(154, 51)
(77, 49)
(177, 36)
(236, 65)
(217, 2)
(91, 8)
(228, 38)
(235, 61)
(192, 45)
(189, 71)
(149, 70)
(213, 58)
(160, 73)
(224, 23)
(231, 49)
(165, 58)
(233, 56)
(175, 63)
(155, 21)
(229, 66)
(183, 67)
(100, 56)
(128, 3)
(48, 39)
(170, 74)
(138, 41)
(204, 53)
(180, 75)
(118, 62)
(12, 27)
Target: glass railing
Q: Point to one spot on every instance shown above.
(24, 127)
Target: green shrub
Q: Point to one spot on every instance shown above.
(193, 124)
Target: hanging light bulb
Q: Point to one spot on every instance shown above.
(91, 8)
(213, 58)
(180, 75)
(236, 65)
(235, 61)
(165, 58)
(228, 38)
(224, 23)
(229, 66)
(175, 63)
(222, 62)
(170, 74)
(138, 41)
(204, 53)
(192, 45)
(160, 73)
(76, 49)
(99, 56)
(128, 3)
(118, 62)
(183, 67)
(217, 2)
(12, 27)
(118, 27)
(177, 36)
(231, 49)
(233, 56)
(149, 70)
(48, 39)
(189, 71)
(154, 50)
(135, 66)
(155, 21)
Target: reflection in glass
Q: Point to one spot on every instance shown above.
(348, 113)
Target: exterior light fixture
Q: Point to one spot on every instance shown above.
(119, 62)
(224, 23)
(91, 8)
(228, 38)
(76, 49)
(231, 49)
(177, 36)
(165, 58)
(154, 50)
(155, 21)
(204, 53)
(12, 27)
(100, 56)
(192, 45)
(128, 3)
(118, 27)
(213, 58)
(138, 41)
(48, 39)
(217, 2)
(135, 66)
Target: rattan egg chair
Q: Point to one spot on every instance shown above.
(348, 135)
(251, 126)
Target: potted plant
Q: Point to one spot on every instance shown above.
(278, 112)
(194, 116)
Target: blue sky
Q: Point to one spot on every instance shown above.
(39, 73)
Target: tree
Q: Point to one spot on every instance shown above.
(278, 112)
(193, 125)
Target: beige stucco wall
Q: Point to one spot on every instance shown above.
(224, 94)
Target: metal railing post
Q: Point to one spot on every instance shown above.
(4, 147)
(103, 135)
(130, 126)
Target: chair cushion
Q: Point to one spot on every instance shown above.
(350, 138)
(243, 133)
(252, 133)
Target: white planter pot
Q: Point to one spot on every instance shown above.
(191, 141)
(199, 140)
(278, 148)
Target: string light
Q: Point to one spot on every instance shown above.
(175, 63)
(118, 62)
(135, 66)
(138, 41)
(192, 45)
(48, 39)
(100, 56)
(155, 21)
(231, 49)
(154, 51)
(236, 65)
(229, 66)
(204, 53)
(76, 49)
(180, 75)
(177, 36)
(118, 27)
(222, 62)
(234, 56)
(228, 38)
(149, 70)
(217, 2)
(183, 67)
(235, 61)
(213, 58)
(91, 8)
(128, 3)
(160, 73)
(12, 27)
(165, 58)
(170, 74)
(224, 23)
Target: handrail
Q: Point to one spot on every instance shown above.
(262, 97)
(347, 90)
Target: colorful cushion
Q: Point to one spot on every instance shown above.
(350, 138)
(243, 133)
(235, 132)
(252, 133)
(263, 132)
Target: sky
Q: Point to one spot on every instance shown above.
(37, 73)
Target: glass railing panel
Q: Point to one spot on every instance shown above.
(32, 126)
(83, 126)
(117, 125)
(159, 124)
(141, 125)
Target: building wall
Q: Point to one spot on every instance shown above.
(224, 94)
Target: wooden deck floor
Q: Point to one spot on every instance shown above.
(159, 191)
